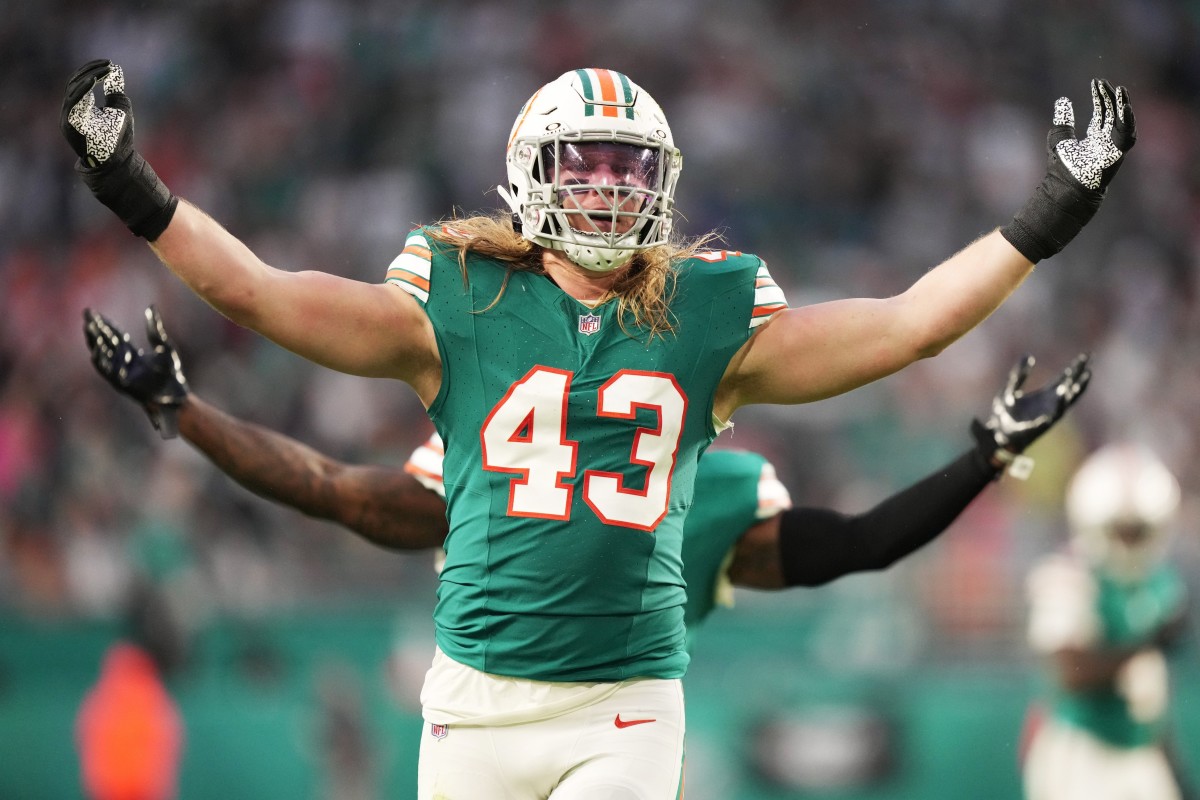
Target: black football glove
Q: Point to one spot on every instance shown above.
(1078, 172)
(154, 379)
(1019, 418)
(103, 139)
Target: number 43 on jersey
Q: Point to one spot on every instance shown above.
(526, 434)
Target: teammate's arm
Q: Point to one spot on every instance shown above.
(800, 354)
(351, 326)
(1080, 668)
(386, 506)
(812, 546)
(383, 505)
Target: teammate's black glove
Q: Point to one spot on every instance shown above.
(103, 139)
(1078, 173)
(1018, 417)
(154, 379)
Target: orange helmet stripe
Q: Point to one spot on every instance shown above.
(608, 91)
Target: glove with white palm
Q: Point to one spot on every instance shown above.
(154, 379)
(103, 139)
(1018, 418)
(1077, 175)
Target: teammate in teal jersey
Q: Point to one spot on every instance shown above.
(1102, 614)
(577, 363)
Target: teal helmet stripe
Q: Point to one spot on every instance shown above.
(589, 109)
(627, 90)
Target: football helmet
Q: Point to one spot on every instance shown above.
(592, 168)
(1121, 504)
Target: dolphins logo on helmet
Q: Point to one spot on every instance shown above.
(1121, 504)
(592, 168)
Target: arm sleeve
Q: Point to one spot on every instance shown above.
(817, 545)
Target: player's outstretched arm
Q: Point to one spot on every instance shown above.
(812, 546)
(385, 506)
(801, 354)
(351, 326)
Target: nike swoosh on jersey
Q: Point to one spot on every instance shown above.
(622, 723)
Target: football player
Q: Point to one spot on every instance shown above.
(603, 355)
(1101, 614)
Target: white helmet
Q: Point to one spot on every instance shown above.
(592, 169)
(1121, 504)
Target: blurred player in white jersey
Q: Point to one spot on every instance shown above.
(1102, 614)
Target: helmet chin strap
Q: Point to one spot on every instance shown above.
(598, 259)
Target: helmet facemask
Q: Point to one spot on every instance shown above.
(597, 185)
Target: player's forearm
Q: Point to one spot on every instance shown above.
(818, 545)
(1085, 669)
(347, 325)
(263, 461)
(213, 263)
(814, 352)
(385, 506)
(961, 292)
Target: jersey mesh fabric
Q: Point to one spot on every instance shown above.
(734, 490)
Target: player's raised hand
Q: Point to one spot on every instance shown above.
(154, 379)
(102, 137)
(1094, 159)
(98, 134)
(1078, 172)
(1019, 417)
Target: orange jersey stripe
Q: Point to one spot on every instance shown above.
(408, 277)
(762, 311)
(413, 469)
(417, 250)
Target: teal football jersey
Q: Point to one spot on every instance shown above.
(570, 454)
(1121, 614)
(735, 489)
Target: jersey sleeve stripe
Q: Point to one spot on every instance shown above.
(411, 269)
(773, 496)
(768, 310)
(768, 297)
(425, 464)
(401, 274)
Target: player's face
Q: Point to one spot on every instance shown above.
(1131, 534)
(608, 183)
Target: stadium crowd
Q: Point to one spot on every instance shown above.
(848, 144)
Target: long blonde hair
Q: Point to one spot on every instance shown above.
(643, 290)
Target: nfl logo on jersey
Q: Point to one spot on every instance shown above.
(589, 324)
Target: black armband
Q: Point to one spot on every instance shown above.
(818, 545)
(134, 192)
(1052, 217)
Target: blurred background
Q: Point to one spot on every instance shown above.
(853, 145)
